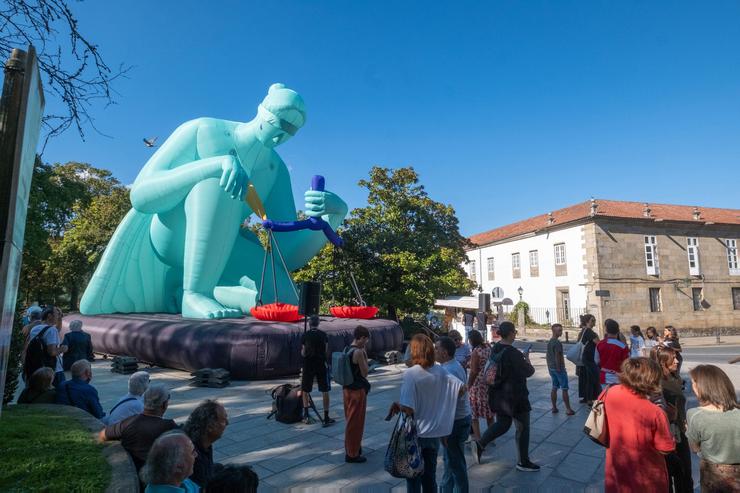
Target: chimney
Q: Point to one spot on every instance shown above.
(697, 214)
(594, 206)
(550, 219)
(646, 210)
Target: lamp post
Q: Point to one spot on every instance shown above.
(520, 291)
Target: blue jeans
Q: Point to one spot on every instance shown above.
(58, 379)
(455, 478)
(427, 482)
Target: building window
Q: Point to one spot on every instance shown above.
(491, 266)
(736, 298)
(533, 259)
(651, 256)
(560, 254)
(696, 297)
(655, 304)
(515, 265)
(692, 250)
(472, 271)
(732, 257)
(534, 263)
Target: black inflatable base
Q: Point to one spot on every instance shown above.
(248, 348)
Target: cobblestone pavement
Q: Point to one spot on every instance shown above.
(311, 458)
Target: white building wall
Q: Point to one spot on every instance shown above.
(542, 291)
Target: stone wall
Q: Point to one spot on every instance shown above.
(615, 256)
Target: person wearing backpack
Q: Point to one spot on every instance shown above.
(510, 399)
(314, 346)
(43, 347)
(355, 396)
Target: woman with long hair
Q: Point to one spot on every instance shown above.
(679, 462)
(477, 386)
(670, 339)
(651, 339)
(429, 394)
(637, 342)
(639, 433)
(714, 429)
(588, 373)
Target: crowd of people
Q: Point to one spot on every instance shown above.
(448, 389)
(650, 431)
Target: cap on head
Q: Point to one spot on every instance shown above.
(286, 104)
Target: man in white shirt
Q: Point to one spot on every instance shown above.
(132, 403)
(456, 469)
(51, 317)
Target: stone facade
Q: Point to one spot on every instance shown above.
(615, 259)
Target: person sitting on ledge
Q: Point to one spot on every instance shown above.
(169, 463)
(205, 426)
(78, 392)
(137, 433)
(79, 345)
(234, 478)
(132, 403)
(39, 390)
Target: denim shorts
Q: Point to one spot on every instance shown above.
(559, 379)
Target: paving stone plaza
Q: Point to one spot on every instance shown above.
(308, 457)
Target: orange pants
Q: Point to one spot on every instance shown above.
(355, 405)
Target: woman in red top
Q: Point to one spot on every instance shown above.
(639, 435)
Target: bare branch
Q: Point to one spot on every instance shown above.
(74, 70)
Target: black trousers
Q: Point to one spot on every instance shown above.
(502, 425)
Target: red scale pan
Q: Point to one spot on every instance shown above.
(276, 312)
(364, 312)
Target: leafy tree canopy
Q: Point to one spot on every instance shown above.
(404, 249)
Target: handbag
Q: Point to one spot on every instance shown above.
(596, 427)
(575, 353)
(489, 371)
(403, 457)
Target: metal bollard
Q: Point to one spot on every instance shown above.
(566, 336)
(716, 334)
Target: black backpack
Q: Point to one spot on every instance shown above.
(37, 355)
(287, 405)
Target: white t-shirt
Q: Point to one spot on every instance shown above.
(51, 336)
(432, 394)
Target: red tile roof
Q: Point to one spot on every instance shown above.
(609, 208)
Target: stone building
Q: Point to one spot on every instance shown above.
(638, 263)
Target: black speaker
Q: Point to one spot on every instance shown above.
(480, 319)
(310, 298)
(484, 302)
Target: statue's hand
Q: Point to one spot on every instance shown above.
(321, 203)
(234, 179)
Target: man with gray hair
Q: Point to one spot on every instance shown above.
(169, 464)
(137, 433)
(132, 403)
(78, 392)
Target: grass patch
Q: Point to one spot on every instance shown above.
(41, 451)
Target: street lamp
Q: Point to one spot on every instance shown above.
(520, 291)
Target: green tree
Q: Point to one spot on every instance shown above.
(59, 193)
(404, 248)
(75, 255)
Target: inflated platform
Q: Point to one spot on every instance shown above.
(248, 348)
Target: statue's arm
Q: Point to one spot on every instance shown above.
(299, 247)
(175, 169)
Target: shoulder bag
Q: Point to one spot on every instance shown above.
(575, 353)
(403, 457)
(596, 427)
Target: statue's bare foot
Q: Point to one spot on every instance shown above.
(237, 297)
(196, 305)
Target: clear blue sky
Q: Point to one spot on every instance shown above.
(506, 109)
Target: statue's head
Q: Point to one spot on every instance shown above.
(280, 115)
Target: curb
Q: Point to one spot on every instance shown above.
(123, 473)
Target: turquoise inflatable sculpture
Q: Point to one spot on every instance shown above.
(182, 247)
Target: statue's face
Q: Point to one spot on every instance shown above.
(273, 131)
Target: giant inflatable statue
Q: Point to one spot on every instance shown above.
(182, 248)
